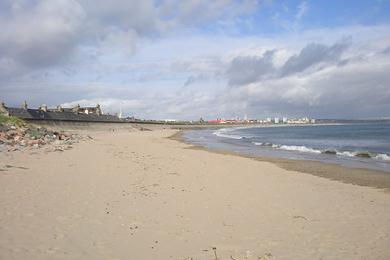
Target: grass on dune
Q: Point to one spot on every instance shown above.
(11, 120)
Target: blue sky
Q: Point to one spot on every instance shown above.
(198, 58)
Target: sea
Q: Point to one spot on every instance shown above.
(357, 145)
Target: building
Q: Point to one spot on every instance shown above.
(217, 121)
(276, 120)
(304, 120)
(80, 110)
(77, 113)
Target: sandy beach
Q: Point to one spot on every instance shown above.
(142, 195)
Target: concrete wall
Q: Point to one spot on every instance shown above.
(77, 126)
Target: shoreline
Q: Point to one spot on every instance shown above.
(357, 176)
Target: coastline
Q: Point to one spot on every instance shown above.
(356, 176)
(138, 194)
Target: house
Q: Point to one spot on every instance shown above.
(77, 113)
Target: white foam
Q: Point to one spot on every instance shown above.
(229, 136)
(298, 148)
(346, 153)
(223, 133)
(382, 156)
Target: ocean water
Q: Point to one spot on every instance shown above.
(354, 145)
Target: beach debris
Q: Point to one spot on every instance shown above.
(145, 129)
(15, 137)
(215, 253)
(7, 166)
(302, 217)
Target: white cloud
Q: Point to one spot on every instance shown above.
(40, 35)
(152, 59)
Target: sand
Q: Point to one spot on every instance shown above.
(141, 195)
(358, 176)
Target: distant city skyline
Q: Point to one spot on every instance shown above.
(191, 59)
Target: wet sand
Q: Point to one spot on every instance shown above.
(130, 194)
(358, 176)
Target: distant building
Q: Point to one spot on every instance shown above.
(284, 120)
(77, 113)
(87, 110)
(170, 120)
(217, 121)
(276, 120)
(303, 120)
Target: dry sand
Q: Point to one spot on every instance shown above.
(139, 195)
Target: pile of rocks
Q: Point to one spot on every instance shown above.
(14, 137)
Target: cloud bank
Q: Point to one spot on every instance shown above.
(185, 60)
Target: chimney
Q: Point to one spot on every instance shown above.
(24, 105)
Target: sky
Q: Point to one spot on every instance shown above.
(186, 59)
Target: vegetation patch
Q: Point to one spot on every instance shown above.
(12, 120)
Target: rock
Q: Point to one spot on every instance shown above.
(16, 137)
(63, 137)
(11, 133)
(58, 142)
(12, 149)
(33, 142)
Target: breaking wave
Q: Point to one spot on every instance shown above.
(305, 149)
(382, 156)
(225, 133)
